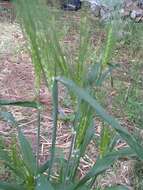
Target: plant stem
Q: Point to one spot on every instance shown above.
(38, 135)
(70, 154)
(55, 122)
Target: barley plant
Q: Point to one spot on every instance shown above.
(82, 76)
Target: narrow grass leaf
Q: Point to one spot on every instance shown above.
(103, 164)
(43, 183)
(27, 154)
(7, 161)
(7, 116)
(8, 186)
(83, 48)
(31, 104)
(58, 50)
(119, 187)
(55, 119)
(83, 94)
(4, 156)
(105, 140)
(85, 121)
(87, 137)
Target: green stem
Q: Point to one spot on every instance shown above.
(38, 136)
(70, 155)
(55, 122)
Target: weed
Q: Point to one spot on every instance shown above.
(81, 77)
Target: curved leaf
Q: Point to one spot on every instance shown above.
(8, 186)
(27, 154)
(103, 164)
(6, 159)
(7, 116)
(83, 94)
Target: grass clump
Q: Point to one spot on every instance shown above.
(81, 76)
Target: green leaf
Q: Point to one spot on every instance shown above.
(7, 161)
(43, 183)
(7, 116)
(83, 187)
(8, 186)
(4, 156)
(83, 94)
(109, 46)
(105, 140)
(88, 137)
(55, 119)
(85, 121)
(89, 133)
(83, 48)
(27, 154)
(103, 164)
(119, 187)
(31, 104)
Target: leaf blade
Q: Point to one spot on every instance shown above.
(27, 154)
(103, 164)
(31, 104)
(43, 183)
(8, 186)
(119, 187)
(83, 94)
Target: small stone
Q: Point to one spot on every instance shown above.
(105, 13)
(133, 14)
(95, 10)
